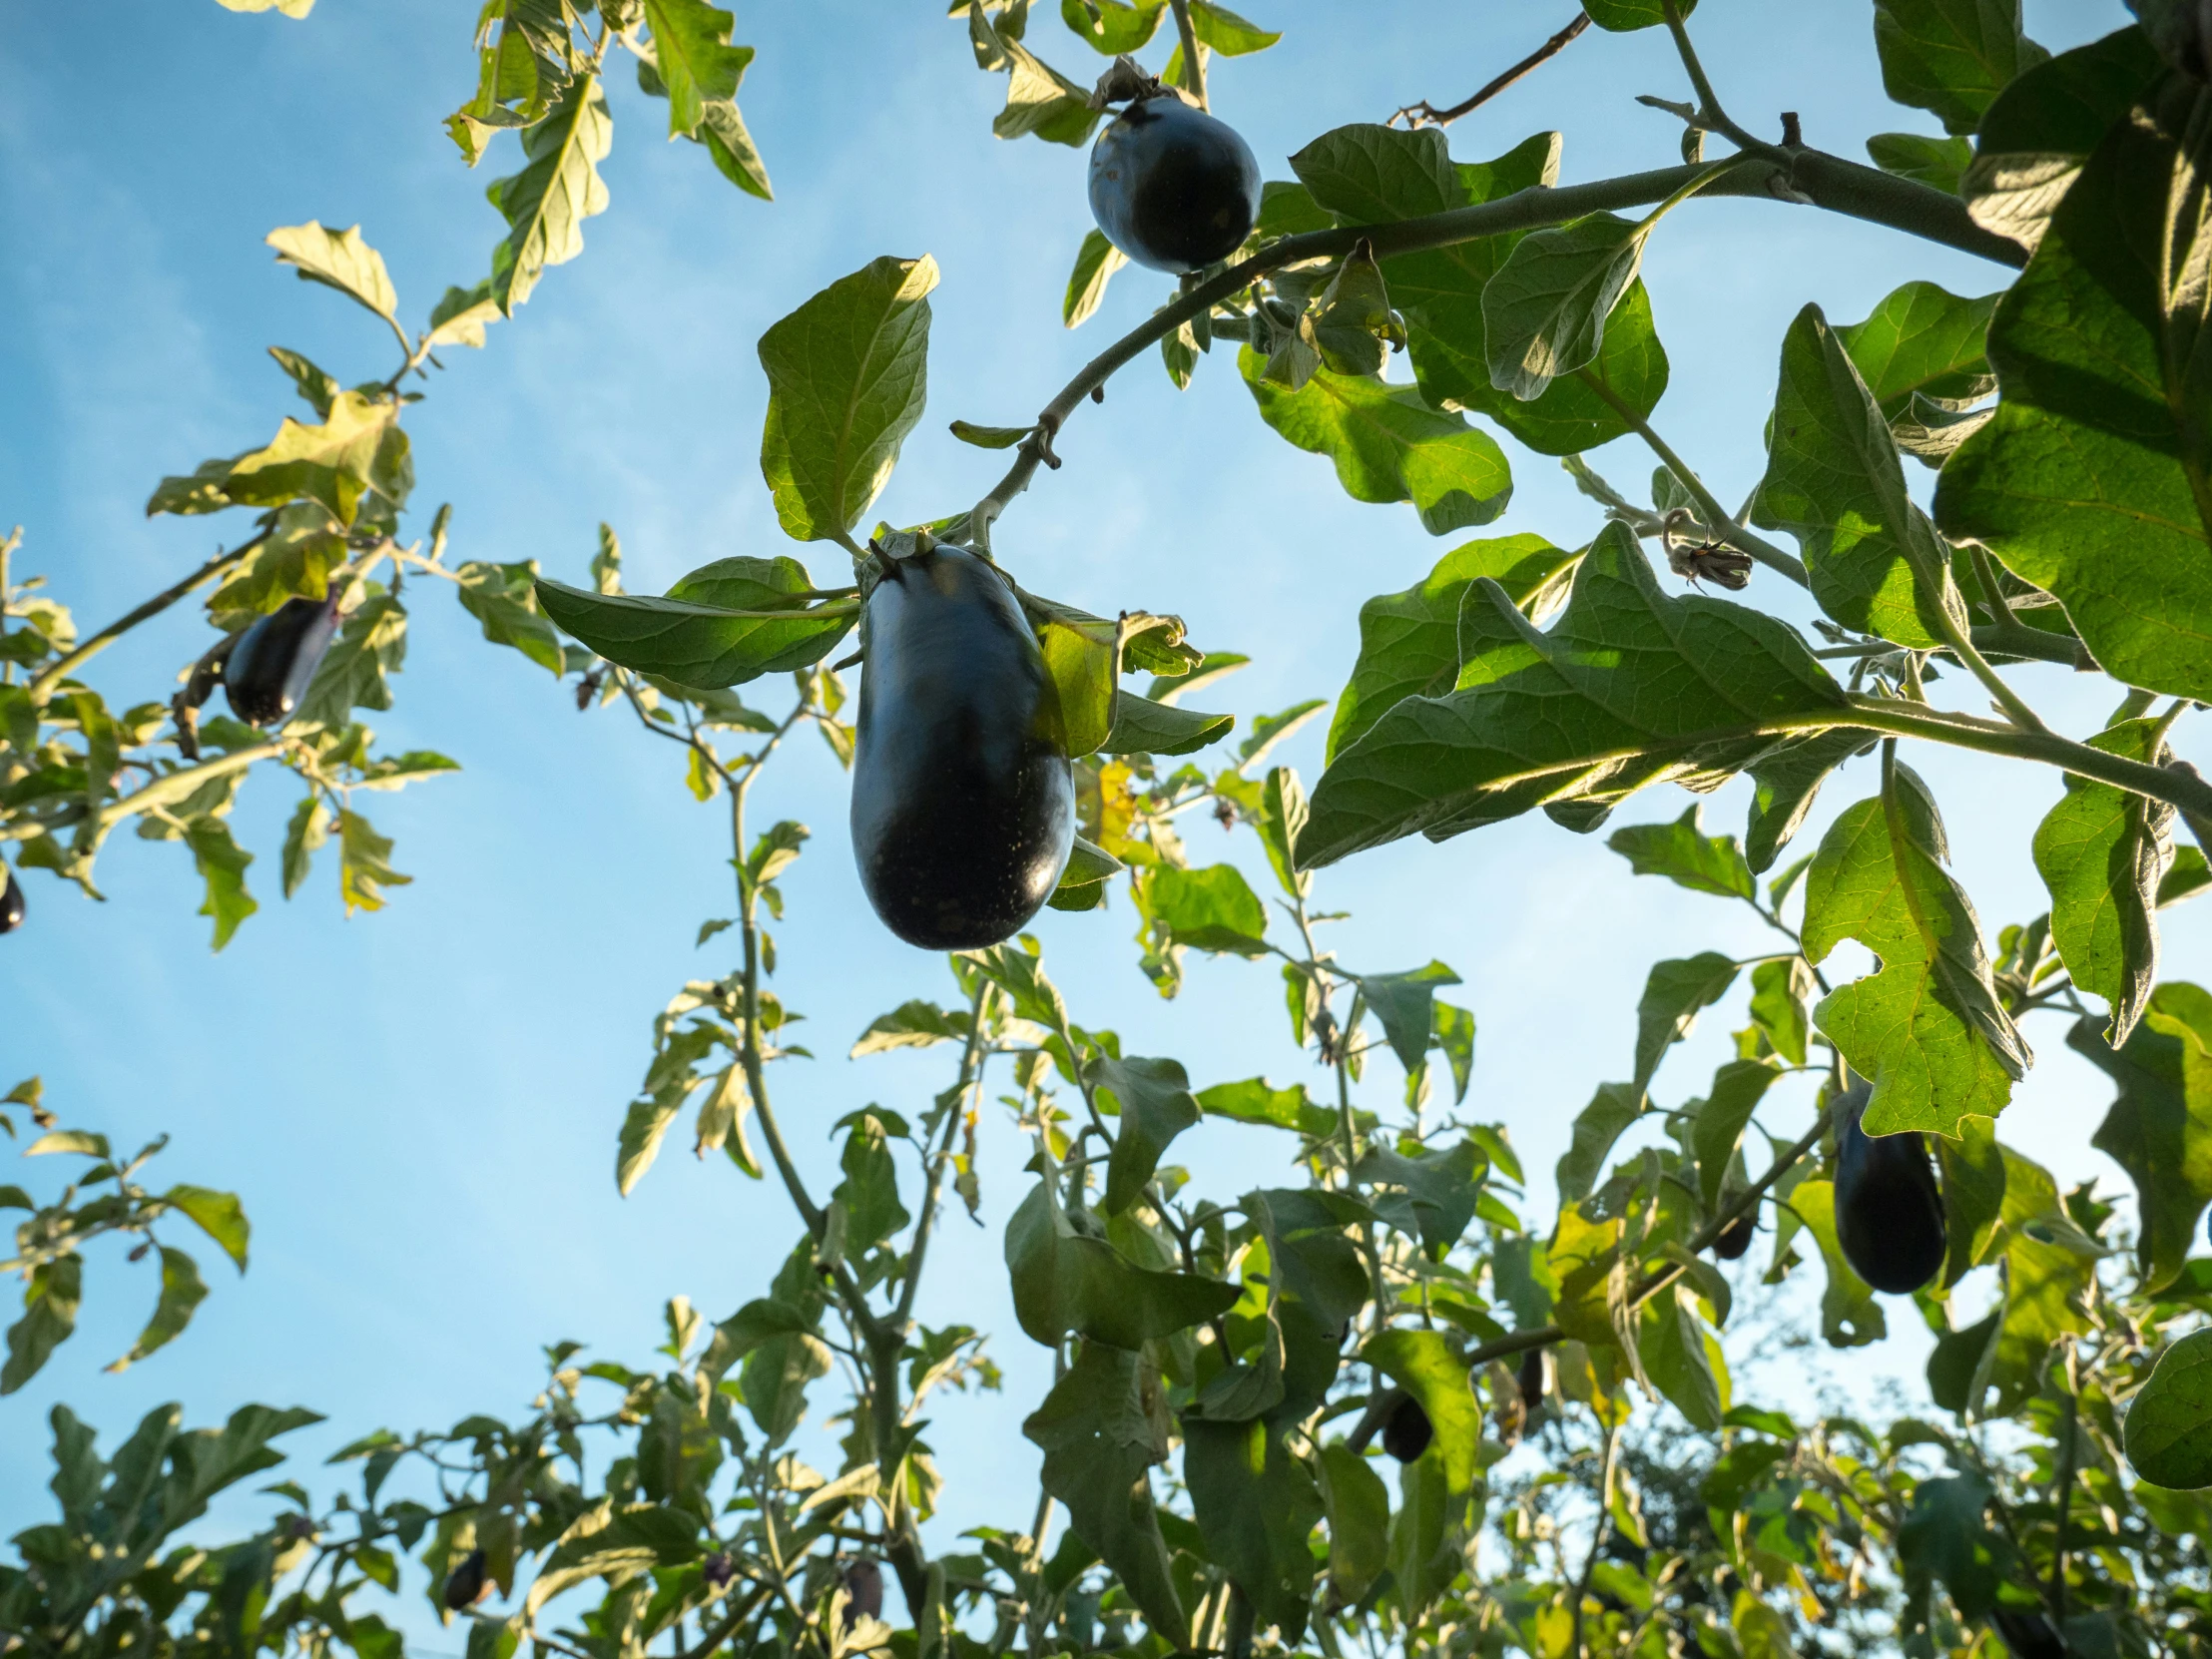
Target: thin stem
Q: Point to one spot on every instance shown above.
(1425, 114)
(173, 787)
(971, 1078)
(1710, 112)
(8, 544)
(152, 607)
(1194, 61)
(1597, 1532)
(1717, 518)
(2063, 1496)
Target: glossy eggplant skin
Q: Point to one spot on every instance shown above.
(1888, 1208)
(2029, 1635)
(12, 905)
(1735, 1238)
(274, 661)
(963, 803)
(1406, 1431)
(1532, 1379)
(1173, 188)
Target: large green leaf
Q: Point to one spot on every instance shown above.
(1630, 686)
(1409, 641)
(847, 377)
(1596, 1127)
(339, 260)
(2160, 1128)
(1065, 1281)
(50, 1301)
(1213, 908)
(2094, 478)
(1359, 1508)
(2034, 138)
(1622, 15)
(1674, 993)
(1255, 1505)
(1680, 1358)
(2169, 1425)
(1718, 1127)
(694, 644)
(1685, 855)
(1928, 1027)
(1787, 778)
(546, 203)
(1544, 312)
(503, 599)
(1154, 1100)
(697, 63)
(1834, 482)
(183, 1289)
(1424, 1365)
(1406, 1004)
(1923, 339)
(370, 648)
(1389, 445)
(2102, 852)
(1951, 56)
(1849, 1316)
(1102, 1427)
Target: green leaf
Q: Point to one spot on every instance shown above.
(1974, 1178)
(459, 317)
(722, 130)
(1941, 162)
(1039, 99)
(1213, 908)
(1944, 1538)
(1849, 1316)
(870, 1190)
(183, 1289)
(1834, 482)
(1453, 1033)
(1928, 1027)
(1620, 693)
(219, 1215)
(1686, 855)
(701, 645)
(697, 63)
(911, 1025)
(2034, 138)
(1387, 445)
(847, 379)
(2102, 853)
(1924, 340)
(644, 1127)
(333, 463)
(320, 389)
(1102, 1427)
(338, 260)
(989, 437)
(2159, 1129)
(1084, 661)
(1951, 56)
(1269, 730)
(364, 863)
(221, 864)
(1674, 992)
(546, 203)
(1281, 816)
(1679, 1358)
(1544, 312)
(1786, 780)
(303, 545)
(372, 647)
(1255, 1505)
(1404, 1003)
(1018, 973)
(503, 598)
(1596, 1127)
(1409, 641)
(1095, 264)
(1155, 1104)
(1717, 1128)
(1623, 15)
(2090, 480)
(1373, 174)
(1357, 1505)
(1781, 1005)
(1067, 1280)
(1113, 27)
(1424, 1366)
(1222, 30)
(1255, 1100)
(50, 1301)
(1442, 1189)
(1143, 727)
(2169, 1425)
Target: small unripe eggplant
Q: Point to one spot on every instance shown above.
(1889, 1209)
(963, 805)
(466, 1586)
(12, 903)
(1736, 1238)
(2030, 1634)
(1532, 1379)
(863, 1591)
(1173, 188)
(274, 661)
(1406, 1431)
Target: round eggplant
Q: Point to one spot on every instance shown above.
(2030, 1634)
(1173, 188)
(12, 903)
(274, 661)
(1888, 1208)
(1406, 1431)
(963, 803)
(1735, 1238)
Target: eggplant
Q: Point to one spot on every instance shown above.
(1888, 1208)
(467, 1584)
(1173, 188)
(12, 903)
(1532, 1379)
(1736, 1238)
(274, 661)
(864, 1592)
(963, 802)
(1406, 1431)
(2030, 1634)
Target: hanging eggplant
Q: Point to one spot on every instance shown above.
(1736, 1236)
(12, 905)
(1172, 187)
(1406, 1431)
(1888, 1208)
(274, 661)
(963, 803)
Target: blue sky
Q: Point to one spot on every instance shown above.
(419, 1107)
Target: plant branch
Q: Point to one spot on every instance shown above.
(1193, 64)
(1834, 183)
(971, 1077)
(1597, 1532)
(1710, 112)
(1425, 114)
(152, 607)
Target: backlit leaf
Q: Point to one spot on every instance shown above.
(1951, 56)
(2159, 1129)
(559, 187)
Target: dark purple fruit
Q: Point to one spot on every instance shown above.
(2030, 1635)
(1532, 1379)
(864, 1590)
(11, 900)
(1889, 1209)
(465, 1584)
(964, 806)
(1173, 188)
(1736, 1238)
(1406, 1431)
(275, 660)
